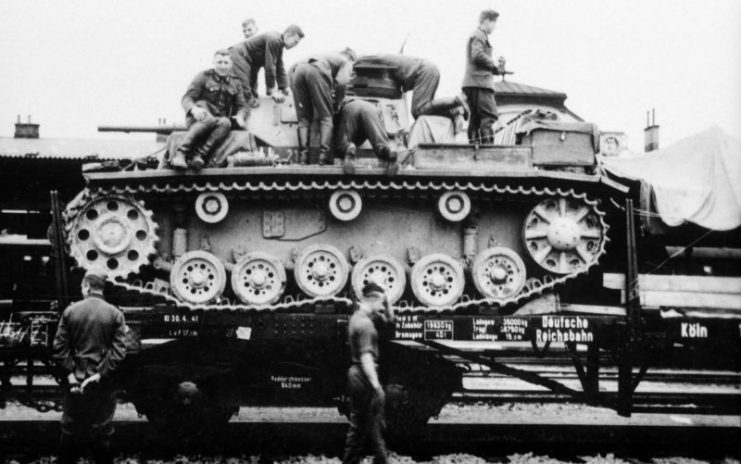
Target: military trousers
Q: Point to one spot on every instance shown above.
(87, 421)
(204, 136)
(366, 419)
(483, 108)
(426, 81)
(360, 121)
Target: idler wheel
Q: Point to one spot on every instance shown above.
(321, 270)
(437, 280)
(498, 273)
(198, 277)
(115, 235)
(383, 270)
(258, 278)
(563, 235)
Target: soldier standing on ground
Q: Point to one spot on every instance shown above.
(361, 121)
(264, 50)
(422, 77)
(317, 83)
(367, 398)
(89, 345)
(213, 97)
(249, 27)
(478, 80)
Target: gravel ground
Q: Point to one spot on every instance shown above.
(397, 459)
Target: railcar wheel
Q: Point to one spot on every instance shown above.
(498, 273)
(383, 270)
(113, 234)
(258, 278)
(563, 235)
(437, 280)
(198, 277)
(321, 270)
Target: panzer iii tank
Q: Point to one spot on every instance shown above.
(269, 257)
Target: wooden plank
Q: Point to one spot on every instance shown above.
(598, 310)
(691, 300)
(677, 283)
(468, 157)
(706, 252)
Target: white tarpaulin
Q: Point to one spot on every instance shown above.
(697, 179)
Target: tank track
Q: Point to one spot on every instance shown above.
(533, 288)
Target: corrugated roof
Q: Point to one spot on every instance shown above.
(515, 89)
(92, 149)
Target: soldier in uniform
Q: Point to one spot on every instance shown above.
(89, 345)
(422, 77)
(478, 80)
(367, 398)
(249, 27)
(313, 83)
(360, 121)
(264, 50)
(213, 97)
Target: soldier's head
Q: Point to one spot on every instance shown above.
(373, 296)
(222, 62)
(93, 283)
(292, 36)
(488, 20)
(249, 27)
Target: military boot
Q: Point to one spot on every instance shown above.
(442, 106)
(391, 158)
(303, 144)
(473, 135)
(487, 135)
(349, 162)
(325, 142)
(178, 160)
(219, 132)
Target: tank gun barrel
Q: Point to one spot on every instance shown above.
(165, 130)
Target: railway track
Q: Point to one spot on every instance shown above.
(282, 432)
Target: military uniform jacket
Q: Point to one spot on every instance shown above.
(265, 49)
(480, 67)
(406, 67)
(221, 95)
(91, 338)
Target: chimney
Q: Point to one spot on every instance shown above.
(26, 130)
(651, 132)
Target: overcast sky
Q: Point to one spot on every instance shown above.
(74, 65)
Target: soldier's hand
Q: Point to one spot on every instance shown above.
(279, 97)
(254, 103)
(95, 378)
(240, 122)
(198, 113)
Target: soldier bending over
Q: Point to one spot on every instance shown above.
(360, 121)
(211, 100)
(422, 77)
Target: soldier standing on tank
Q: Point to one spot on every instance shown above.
(89, 345)
(317, 83)
(367, 398)
(360, 121)
(264, 50)
(249, 28)
(213, 97)
(422, 77)
(478, 80)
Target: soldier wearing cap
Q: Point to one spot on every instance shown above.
(478, 80)
(367, 398)
(318, 85)
(212, 99)
(264, 50)
(89, 345)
